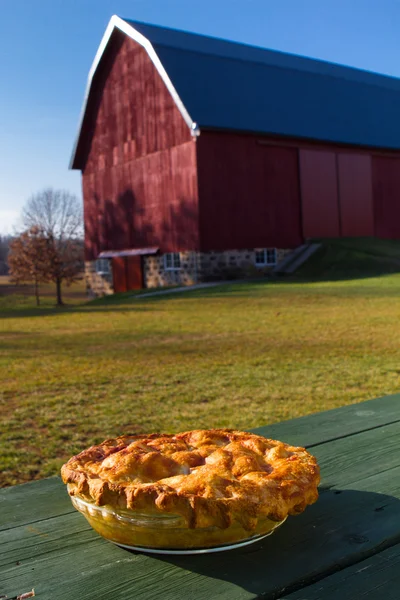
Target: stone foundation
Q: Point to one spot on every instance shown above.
(207, 266)
(97, 284)
(195, 268)
(155, 275)
(235, 264)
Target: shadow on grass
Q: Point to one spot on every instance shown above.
(18, 313)
(126, 302)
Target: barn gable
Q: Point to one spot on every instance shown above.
(130, 112)
(117, 32)
(137, 158)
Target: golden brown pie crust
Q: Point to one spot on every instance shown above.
(210, 477)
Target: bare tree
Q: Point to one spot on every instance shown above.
(58, 214)
(27, 259)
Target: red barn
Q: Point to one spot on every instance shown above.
(203, 158)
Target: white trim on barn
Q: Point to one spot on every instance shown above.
(118, 23)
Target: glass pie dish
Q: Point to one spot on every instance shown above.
(204, 490)
(164, 533)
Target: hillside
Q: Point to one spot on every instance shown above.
(351, 258)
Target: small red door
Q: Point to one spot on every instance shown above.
(119, 276)
(134, 275)
(127, 273)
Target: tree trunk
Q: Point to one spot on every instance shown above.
(37, 292)
(58, 286)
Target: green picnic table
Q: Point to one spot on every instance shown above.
(345, 546)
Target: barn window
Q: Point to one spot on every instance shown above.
(103, 266)
(266, 257)
(172, 261)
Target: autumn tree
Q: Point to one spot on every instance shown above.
(27, 258)
(58, 214)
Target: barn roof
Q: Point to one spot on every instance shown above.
(231, 86)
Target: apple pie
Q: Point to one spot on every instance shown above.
(199, 488)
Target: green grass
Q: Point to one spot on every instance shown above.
(348, 258)
(21, 297)
(239, 355)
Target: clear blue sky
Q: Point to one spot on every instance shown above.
(47, 47)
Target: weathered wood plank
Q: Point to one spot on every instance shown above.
(297, 552)
(376, 578)
(358, 512)
(41, 537)
(328, 425)
(32, 502)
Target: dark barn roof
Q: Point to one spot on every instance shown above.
(231, 86)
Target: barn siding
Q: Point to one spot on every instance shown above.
(91, 207)
(139, 174)
(249, 193)
(132, 111)
(386, 186)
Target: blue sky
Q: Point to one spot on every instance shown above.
(47, 47)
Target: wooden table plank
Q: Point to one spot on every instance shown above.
(32, 501)
(42, 537)
(377, 578)
(331, 424)
(82, 560)
(358, 512)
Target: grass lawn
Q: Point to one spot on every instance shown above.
(22, 297)
(239, 355)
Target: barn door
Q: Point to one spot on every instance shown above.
(336, 194)
(127, 273)
(119, 274)
(355, 195)
(134, 275)
(319, 194)
(386, 181)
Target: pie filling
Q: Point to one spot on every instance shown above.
(195, 489)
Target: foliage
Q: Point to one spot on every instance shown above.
(64, 258)
(58, 214)
(28, 258)
(239, 355)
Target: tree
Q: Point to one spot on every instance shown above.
(5, 241)
(64, 262)
(58, 214)
(27, 258)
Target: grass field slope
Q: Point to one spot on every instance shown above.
(239, 355)
(352, 258)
